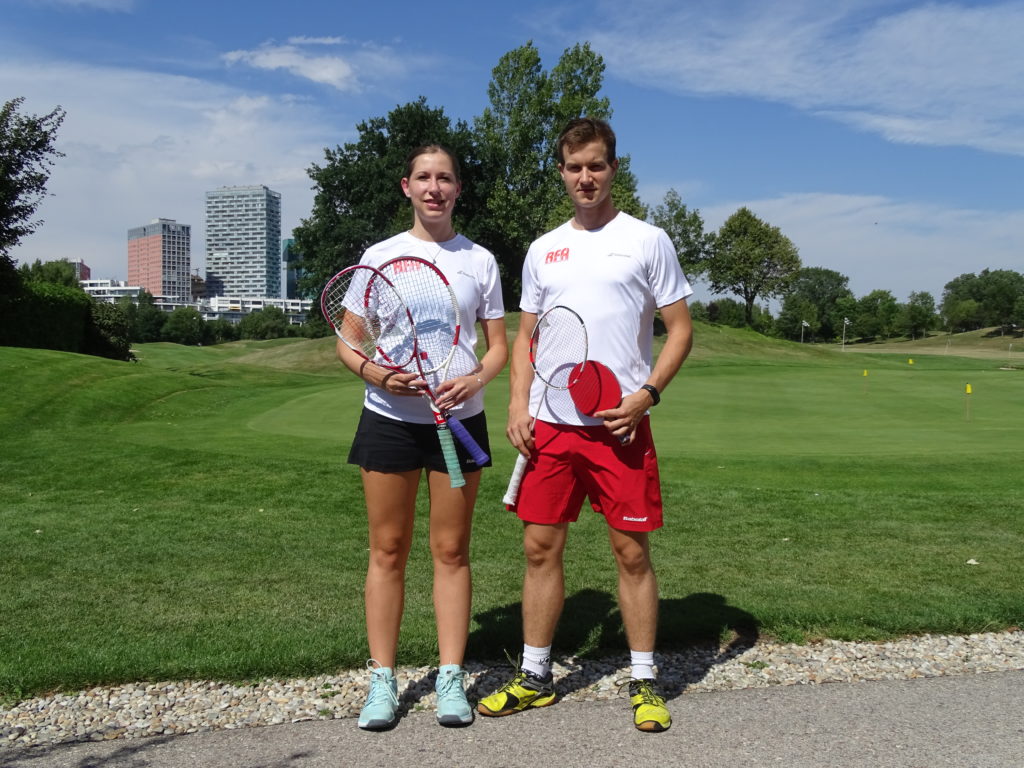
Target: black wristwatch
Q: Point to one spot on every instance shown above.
(655, 396)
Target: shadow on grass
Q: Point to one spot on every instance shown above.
(702, 628)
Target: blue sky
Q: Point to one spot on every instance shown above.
(886, 139)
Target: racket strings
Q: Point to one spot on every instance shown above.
(559, 347)
(370, 317)
(431, 304)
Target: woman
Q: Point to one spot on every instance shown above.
(396, 440)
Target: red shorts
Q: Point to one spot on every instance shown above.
(571, 463)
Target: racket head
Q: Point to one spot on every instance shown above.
(432, 307)
(558, 347)
(366, 312)
(595, 388)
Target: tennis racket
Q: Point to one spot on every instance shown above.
(558, 354)
(436, 319)
(371, 318)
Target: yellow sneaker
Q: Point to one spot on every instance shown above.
(523, 691)
(649, 710)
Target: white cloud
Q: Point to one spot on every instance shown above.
(302, 40)
(327, 70)
(142, 145)
(880, 243)
(935, 74)
(351, 68)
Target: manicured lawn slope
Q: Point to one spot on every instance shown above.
(192, 514)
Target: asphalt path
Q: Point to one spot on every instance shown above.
(967, 721)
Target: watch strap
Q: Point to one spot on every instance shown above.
(655, 395)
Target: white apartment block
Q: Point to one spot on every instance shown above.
(243, 242)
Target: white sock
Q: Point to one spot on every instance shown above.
(537, 661)
(643, 664)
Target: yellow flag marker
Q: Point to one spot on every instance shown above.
(968, 389)
(910, 361)
(865, 371)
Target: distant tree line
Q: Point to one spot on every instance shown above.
(53, 312)
(818, 306)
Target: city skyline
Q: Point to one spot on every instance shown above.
(885, 139)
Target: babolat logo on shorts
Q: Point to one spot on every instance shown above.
(560, 255)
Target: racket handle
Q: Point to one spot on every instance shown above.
(512, 492)
(451, 458)
(471, 445)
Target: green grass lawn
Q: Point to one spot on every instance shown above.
(192, 514)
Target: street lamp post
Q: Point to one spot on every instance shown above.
(846, 322)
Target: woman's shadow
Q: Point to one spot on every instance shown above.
(696, 633)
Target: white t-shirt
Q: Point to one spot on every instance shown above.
(614, 277)
(473, 274)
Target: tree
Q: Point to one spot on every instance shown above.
(877, 315)
(816, 291)
(359, 199)
(961, 314)
(268, 323)
(752, 259)
(799, 319)
(184, 326)
(61, 272)
(26, 155)
(221, 331)
(517, 137)
(918, 314)
(999, 291)
(149, 319)
(685, 228)
(108, 333)
(994, 293)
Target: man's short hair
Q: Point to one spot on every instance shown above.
(584, 130)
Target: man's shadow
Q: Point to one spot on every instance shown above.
(700, 631)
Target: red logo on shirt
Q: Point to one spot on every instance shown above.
(405, 265)
(559, 255)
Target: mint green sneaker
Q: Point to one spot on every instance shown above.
(381, 709)
(453, 708)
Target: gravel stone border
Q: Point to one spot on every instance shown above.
(165, 708)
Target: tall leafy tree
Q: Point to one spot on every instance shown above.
(60, 272)
(814, 295)
(799, 319)
(358, 198)
(27, 153)
(877, 315)
(517, 134)
(149, 319)
(685, 229)
(994, 294)
(752, 259)
(919, 315)
(999, 291)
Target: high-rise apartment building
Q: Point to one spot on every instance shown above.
(243, 242)
(159, 259)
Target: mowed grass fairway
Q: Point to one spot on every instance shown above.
(192, 515)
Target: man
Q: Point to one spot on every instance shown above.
(614, 270)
